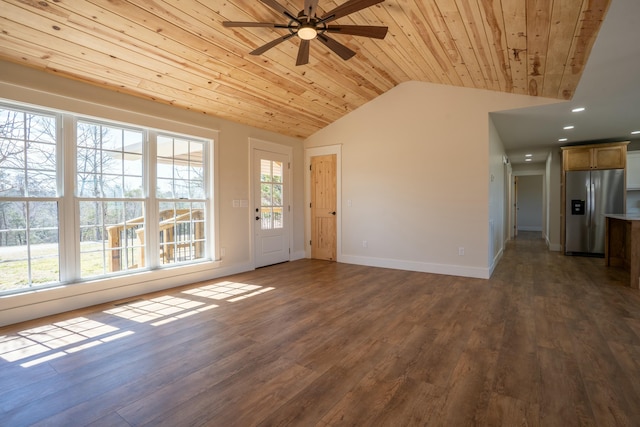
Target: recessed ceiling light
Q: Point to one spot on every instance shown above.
(568, 127)
(563, 139)
(635, 132)
(578, 109)
(528, 155)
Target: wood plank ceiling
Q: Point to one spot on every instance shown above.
(177, 52)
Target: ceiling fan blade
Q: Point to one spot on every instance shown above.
(262, 49)
(248, 24)
(340, 49)
(359, 30)
(310, 7)
(348, 8)
(273, 4)
(303, 53)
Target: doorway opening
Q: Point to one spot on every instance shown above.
(528, 215)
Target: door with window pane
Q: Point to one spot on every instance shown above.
(271, 209)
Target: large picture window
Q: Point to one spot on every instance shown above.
(138, 196)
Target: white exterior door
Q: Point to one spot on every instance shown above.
(271, 207)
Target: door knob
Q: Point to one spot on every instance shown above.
(257, 218)
(333, 213)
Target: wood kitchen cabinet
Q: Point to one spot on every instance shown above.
(595, 156)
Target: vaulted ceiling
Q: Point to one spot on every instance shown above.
(178, 52)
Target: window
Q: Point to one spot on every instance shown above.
(271, 202)
(109, 186)
(139, 199)
(181, 199)
(28, 199)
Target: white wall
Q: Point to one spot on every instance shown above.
(498, 196)
(416, 165)
(235, 225)
(553, 172)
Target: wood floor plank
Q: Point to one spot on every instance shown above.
(563, 397)
(517, 362)
(505, 411)
(548, 340)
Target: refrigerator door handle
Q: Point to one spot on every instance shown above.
(588, 209)
(592, 206)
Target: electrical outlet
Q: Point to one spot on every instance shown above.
(460, 251)
(223, 252)
(365, 244)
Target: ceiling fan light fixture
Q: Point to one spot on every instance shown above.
(307, 33)
(307, 25)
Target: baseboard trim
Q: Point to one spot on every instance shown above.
(525, 228)
(424, 267)
(495, 262)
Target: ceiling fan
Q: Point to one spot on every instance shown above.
(306, 25)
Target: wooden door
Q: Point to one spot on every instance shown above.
(271, 208)
(323, 207)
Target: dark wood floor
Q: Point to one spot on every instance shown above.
(548, 341)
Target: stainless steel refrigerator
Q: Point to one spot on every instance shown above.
(589, 196)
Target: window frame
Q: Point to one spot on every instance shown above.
(27, 198)
(68, 202)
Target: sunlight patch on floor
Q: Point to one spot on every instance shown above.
(229, 291)
(66, 337)
(160, 310)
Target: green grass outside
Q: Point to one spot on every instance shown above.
(44, 264)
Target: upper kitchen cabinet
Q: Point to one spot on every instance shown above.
(595, 156)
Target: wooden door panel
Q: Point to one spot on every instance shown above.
(578, 159)
(610, 157)
(323, 238)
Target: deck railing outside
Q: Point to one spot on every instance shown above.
(181, 239)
